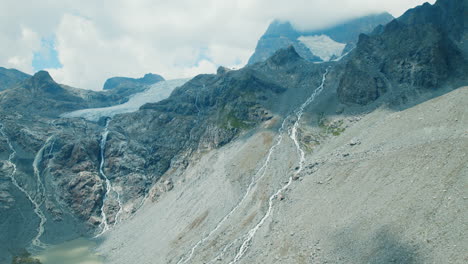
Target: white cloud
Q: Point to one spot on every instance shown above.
(96, 40)
(22, 49)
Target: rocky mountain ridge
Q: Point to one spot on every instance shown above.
(223, 130)
(421, 50)
(10, 77)
(118, 82)
(281, 34)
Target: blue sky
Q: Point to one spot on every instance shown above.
(47, 56)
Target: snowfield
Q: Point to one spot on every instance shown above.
(322, 46)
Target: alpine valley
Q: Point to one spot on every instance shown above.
(347, 144)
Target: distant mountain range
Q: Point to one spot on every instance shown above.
(318, 45)
(40, 94)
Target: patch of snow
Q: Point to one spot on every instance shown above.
(155, 93)
(322, 46)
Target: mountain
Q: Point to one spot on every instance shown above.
(41, 95)
(317, 45)
(422, 50)
(10, 77)
(358, 160)
(330, 182)
(366, 194)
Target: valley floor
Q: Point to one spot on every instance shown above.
(369, 195)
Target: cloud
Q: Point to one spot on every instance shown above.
(46, 56)
(96, 40)
(21, 49)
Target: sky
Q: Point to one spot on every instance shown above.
(82, 43)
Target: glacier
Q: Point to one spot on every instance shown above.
(323, 46)
(154, 93)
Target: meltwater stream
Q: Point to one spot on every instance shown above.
(293, 135)
(109, 189)
(259, 175)
(40, 189)
(36, 242)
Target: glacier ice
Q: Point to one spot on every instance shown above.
(155, 93)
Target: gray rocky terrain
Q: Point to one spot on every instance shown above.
(357, 160)
(367, 195)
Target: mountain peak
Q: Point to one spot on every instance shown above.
(281, 34)
(42, 81)
(151, 78)
(222, 70)
(279, 28)
(43, 76)
(284, 56)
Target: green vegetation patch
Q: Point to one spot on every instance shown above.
(330, 128)
(230, 120)
(25, 258)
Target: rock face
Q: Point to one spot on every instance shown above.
(10, 77)
(280, 35)
(421, 50)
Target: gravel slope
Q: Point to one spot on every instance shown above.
(392, 188)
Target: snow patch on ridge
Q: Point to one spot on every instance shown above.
(323, 46)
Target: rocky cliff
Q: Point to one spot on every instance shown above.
(421, 50)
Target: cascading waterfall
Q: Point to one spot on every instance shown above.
(36, 163)
(40, 189)
(196, 100)
(36, 242)
(293, 135)
(253, 181)
(257, 176)
(109, 189)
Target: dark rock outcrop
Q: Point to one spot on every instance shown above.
(422, 50)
